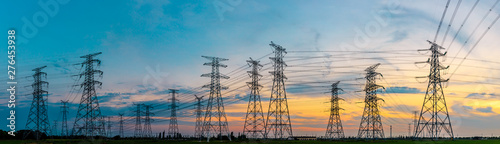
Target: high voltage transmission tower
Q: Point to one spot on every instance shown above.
(434, 113)
(415, 121)
(334, 129)
(54, 128)
(38, 120)
(278, 117)
(199, 120)
(254, 121)
(409, 129)
(89, 121)
(64, 123)
(215, 121)
(120, 132)
(173, 129)
(371, 123)
(147, 132)
(109, 126)
(138, 129)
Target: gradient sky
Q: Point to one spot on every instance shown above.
(151, 46)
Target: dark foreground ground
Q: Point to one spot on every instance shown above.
(63, 141)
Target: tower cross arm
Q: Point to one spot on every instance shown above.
(253, 62)
(206, 86)
(278, 74)
(277, 47)
(372, 68)
(39, 68)
(198, 97)
(175, 99)
(97, 82)
(443, 67)
(206, 75)
(91, 55)
(215, 58)
(254, 73)
(444, 80)
(278, 60)
(97, 61)
(97, 71)
(212, 64)
(250, 84)
(223, 76)
(435, 44)
(372, 87)
(39, 83)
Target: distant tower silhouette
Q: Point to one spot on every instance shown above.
(38, 120)
(147, 121)
(254, 121)
(121, 125)
(215, 122)
(173, 129)
(64, 112)
(434, 113)
(415, 117)
(371, 123)
(198, 132)
(109, 126)
(278, 117)
(334, 129)
(54, 128)
(89, 121)
(138, 128)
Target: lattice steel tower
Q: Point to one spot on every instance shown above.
(198, 131)
(215, 117)
(434, 113)
(38, 120)
(138, 128)
(89, 121)
(334, 129)
(278, 117)
(120, 132)
(64, 124)
(54, 128)
(173, 129)
(109, 126)
(254, 121)
(147, 132)
(371, 123)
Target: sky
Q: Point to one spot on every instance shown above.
(151, 46)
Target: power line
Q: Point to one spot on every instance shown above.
(462, 25)
(451, 21)
(441, 21)
(474, 31)
(474, 46)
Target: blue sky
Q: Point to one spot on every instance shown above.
(141, 39)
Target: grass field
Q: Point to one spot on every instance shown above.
(62, 141)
